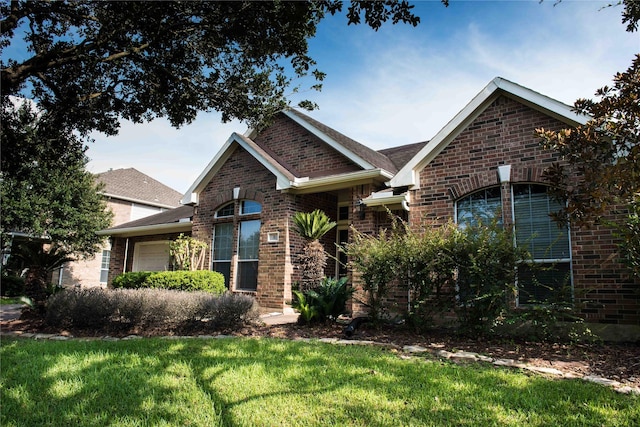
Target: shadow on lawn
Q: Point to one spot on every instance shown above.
(234, 382)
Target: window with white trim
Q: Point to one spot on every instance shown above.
(104, 266)
(236, 241)
(548, 276)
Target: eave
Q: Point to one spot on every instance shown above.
(146, 230)
(337, 182)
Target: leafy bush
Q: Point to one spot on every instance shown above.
(12, 286)
(131, 280)
(325, 301)
(486, 261)
(375, 257)
(201, 280)
(140, 309)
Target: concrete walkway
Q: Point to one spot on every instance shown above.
(10, 312)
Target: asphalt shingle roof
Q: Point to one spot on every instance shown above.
(132, 184)
(166, 217)
(376, 158)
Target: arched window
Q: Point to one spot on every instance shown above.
(236, 240)
(482, 205)
(548, 277)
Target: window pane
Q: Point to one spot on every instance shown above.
(223, 241)
(250, 207)
(483, 205)
(224, 268)
(249, 240)
(343, 213)
(104, 266)
(247, 275)
(542, 283)
(535, 229)
(226, 210)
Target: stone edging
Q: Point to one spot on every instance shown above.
(407, 351)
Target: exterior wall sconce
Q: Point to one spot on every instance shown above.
(504, 174)
(236, 193)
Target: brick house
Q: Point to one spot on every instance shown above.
(130, 195)
(485, 160)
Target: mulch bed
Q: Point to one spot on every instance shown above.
(619, 361)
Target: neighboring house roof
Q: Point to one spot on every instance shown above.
(174, 220)
(134, 186)
(407, 175)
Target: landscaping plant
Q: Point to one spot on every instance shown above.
(313, 260)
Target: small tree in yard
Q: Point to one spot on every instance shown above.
(602, 170)
(188, 252)
(313, 260)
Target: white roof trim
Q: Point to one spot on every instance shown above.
(145, 230)
(408, 175)
(328, 140)
(191, 196)
(140, 201)
(350, 179)
(386, 198)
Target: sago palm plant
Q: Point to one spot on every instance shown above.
(312, 226)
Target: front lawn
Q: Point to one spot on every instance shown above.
(268, 382)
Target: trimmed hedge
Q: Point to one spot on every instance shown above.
(131, 280)
(201, 280)
(135, 310)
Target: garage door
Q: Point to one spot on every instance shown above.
(151, 256)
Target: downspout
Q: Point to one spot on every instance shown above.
(126, 254)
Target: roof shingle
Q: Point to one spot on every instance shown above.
(132, 184)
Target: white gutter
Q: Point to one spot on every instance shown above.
(140, 201)
(349, 179)
(381, 199)
(145, 230)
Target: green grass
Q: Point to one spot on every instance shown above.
(11, 300)
(266, 382)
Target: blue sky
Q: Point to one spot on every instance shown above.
(403, 84)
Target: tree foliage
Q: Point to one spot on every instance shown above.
(45, 189)
(604, 153)
(188, 253)
(92, 63)
(601, 173)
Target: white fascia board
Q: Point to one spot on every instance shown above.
(307, 183)
(332, 142)
(409, 174)
(191, 195)
(146, 230)
(139, 201)
(380, 199)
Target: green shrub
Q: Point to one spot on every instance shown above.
(131, 280)
(146, 309)
(201, 280)
(12, 286)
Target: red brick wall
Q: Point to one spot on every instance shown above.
(504, 134)
(276, 265)
(301, 150)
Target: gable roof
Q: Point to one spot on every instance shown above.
(174, 220)
(355, 151)
(407, 175)
(134, 186)
(375, 165)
